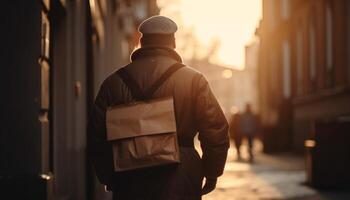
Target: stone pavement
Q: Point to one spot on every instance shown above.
(275, 177)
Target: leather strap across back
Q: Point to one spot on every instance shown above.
(134, 88)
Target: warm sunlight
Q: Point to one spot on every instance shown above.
(238, 99)
(227, 25)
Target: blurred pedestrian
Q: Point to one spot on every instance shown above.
(249, 128)
(196, 111)
(236, 133)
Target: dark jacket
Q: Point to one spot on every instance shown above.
(196, 110)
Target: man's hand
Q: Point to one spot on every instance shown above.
(210, 184)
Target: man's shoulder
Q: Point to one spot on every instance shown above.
(115, 73)
(192, 70)
(188, 71)
(113, 77)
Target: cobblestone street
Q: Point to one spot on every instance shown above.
(279, 176)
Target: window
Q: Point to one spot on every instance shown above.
(329, 38)
(299, 55)
(329, 45)
(312, 54)
(140, 10)
(98, 23)
(45, 36)
(273, 86)
(44, 59)
(285, 9)
(286, 69)
(271, 13)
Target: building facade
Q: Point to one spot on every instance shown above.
(220, 79)
(55, 55)
(249, 76)
(233, 88)
(304, 68)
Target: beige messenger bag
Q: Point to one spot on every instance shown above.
(143, 133)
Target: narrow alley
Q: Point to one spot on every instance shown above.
(278, 71)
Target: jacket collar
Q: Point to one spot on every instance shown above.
(155, 51)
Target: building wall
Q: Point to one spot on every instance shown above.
(56, 54)
(69, 88)
(25, 106)
(20, 130)
(317, 34)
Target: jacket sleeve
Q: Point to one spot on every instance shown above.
(213, 129)
(99, 150)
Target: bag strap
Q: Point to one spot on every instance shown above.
(136, 90)
(172, 69)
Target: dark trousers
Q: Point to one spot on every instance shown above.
(238, 142)
(250, 139)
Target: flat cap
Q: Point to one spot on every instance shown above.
(158, 25)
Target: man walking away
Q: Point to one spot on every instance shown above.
(196, 111)
(236, 133)
(249, 126)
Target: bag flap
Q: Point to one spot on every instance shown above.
(142, 118)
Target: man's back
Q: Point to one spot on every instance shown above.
(248, 123)
(196, 110)
(181, 85)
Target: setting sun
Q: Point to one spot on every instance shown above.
(231, 23)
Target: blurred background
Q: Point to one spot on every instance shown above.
(289, 59)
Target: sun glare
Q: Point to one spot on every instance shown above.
(230, 22)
